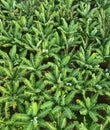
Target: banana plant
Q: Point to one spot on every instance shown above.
(9, 65)
(61, 113)
(71, 28)
(86, 59)
(58, 78)
(87, 126)
(89, 107)
(35, 64)
(34, 89)
(12, 99)
(33, 117)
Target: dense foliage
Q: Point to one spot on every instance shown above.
(54, 65)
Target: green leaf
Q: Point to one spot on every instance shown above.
(88, 102)
(70, 2)
(3, 90)
(28, 84)
(94, 98)
(75, 107)
(23, 20)
(6, 4)
(91, 58)
(81, 56)
(27, 62)
(12, 52)
(50, 126)
(47, 104)
(65, 24)
(44, 113)
(6, 71)
(19, 116)
(63, 123)
(70, 96)
(68, 113)
(93, 33)
(1, 26)
(83, 111)
(56, 109)
(34, 108)
(80, 103)
(50, 76)
(94, 126)
(107, 49)
(66, 60)
(70, 127)
(100, 106)
(57, 37)
(82, 127)
(56, 71)
(30, 126)
(29, 38)
(4, 54)
(93, 116)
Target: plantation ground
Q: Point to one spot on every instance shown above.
(55, 65)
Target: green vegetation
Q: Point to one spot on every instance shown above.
(54, 64)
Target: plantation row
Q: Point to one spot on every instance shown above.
(54, 65)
